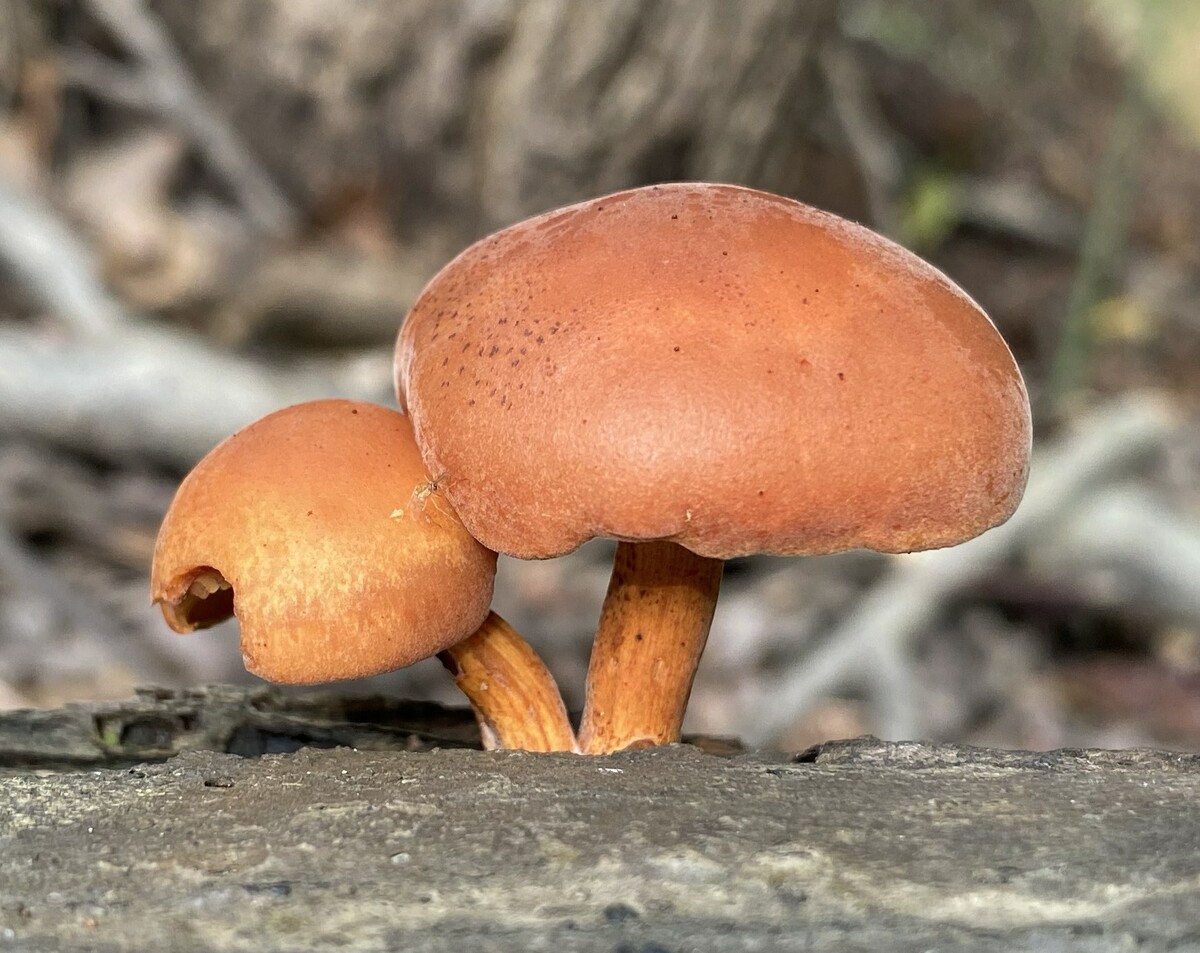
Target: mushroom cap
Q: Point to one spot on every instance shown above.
(341, 562)
(724, 368)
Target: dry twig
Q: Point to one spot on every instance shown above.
(53, 265)
(866, 132)
(173, 92)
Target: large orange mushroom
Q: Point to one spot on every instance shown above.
(319, 528)
(701, 372)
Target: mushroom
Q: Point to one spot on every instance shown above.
(319, 528)
(702, 372)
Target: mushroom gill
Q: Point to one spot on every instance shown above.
(207, 600)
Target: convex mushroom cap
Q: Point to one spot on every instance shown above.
(727, 369)
(306, 525)
(704, 371)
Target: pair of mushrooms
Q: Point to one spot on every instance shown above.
(698, 371)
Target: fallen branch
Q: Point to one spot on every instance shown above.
(1150, 555)
(872, 145)
(122, 386)
(333, 296)
(909, 598)
(156, 395)
(177, 96)
(1019, 210)
(104, 79)
(52, 264)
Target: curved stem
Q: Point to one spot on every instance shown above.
(653, 628)
(516, 700)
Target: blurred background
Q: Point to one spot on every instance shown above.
(211, 210)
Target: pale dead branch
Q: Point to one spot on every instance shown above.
(176, 95)
(122, 387)
(1140, 552)
(151, 394)
(52, 264)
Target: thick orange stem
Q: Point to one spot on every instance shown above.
(516, 699)
(652, 631)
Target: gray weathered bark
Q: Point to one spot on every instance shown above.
(855, 846)
(159, 724)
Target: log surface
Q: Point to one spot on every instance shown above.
(859, 845)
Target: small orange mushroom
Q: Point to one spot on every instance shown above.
(303, 526)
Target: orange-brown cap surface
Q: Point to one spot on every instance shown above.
(341, 562)
(724, 368)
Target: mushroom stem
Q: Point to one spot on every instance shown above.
(516, 699)
(653, 627)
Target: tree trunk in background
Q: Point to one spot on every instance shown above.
(467, 116)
